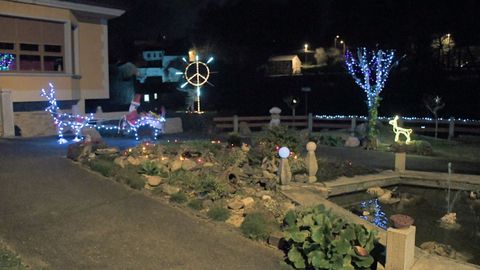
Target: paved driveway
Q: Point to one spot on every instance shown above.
(59, 216)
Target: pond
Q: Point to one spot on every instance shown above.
(426, 206)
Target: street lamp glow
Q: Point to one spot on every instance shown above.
(306, 46)
(210, 60)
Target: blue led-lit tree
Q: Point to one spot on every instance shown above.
(370, 70)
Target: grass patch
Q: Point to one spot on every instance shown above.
(195, 204)
(218, 213)
(130, 177)
(104, 167)
(330, 170)
(10, 261)
(257, 226)
(178, 198)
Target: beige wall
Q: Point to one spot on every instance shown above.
(90, 80)
(93, 53)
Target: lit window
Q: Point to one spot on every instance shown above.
(155, 96)
(146, 98)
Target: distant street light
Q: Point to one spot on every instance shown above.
(335, 41)
(305, 50)
(343, 43)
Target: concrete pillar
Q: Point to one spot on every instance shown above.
(400, 248)
(311, 162)
(451, 128)
(400, 160)
(7, 126)
(235, 123)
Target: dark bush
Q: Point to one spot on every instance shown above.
(196, 204)
(218, 213)
(257, 226)
(178, 197)
(105, 167)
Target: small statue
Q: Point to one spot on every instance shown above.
(284, 172)
(275, 117)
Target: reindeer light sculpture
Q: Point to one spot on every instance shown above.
(64, 121)
(400, 130)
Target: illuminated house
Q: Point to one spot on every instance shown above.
(44, 41)
(283, 65)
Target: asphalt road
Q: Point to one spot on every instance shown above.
(59, 216)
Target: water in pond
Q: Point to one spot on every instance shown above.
(427, 207)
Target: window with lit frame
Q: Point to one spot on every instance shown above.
(28, 45)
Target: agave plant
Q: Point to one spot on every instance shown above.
(151, 168)
(319, 240)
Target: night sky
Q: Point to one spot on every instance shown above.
(242, 34)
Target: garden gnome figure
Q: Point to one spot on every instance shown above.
(275, 117)
(284, 172)
(311, 162)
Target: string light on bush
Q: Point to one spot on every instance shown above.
(6, 61)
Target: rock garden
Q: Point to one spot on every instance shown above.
(238, 183)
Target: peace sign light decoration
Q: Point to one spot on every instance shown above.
(196, 74)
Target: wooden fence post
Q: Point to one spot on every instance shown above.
(451, 128)
(235, 123)
(310, 123)
(353, 125)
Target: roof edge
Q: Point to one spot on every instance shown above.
(87, 8)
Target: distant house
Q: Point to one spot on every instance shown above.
(283, 65)
(44, 41)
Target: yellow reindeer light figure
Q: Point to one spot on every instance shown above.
(399, 130)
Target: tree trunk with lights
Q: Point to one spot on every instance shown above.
(370, 69)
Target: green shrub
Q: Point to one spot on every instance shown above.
(212, 187)
(151, 168)
(331, 140)
(218, 213)
(319, 240)
(178, 197)
(329, 170)
(104, 167)
(10, 261)
(257, 226)
(195, 204)
(129, 176)
(234, 139)
(185, 179)
(277, 137)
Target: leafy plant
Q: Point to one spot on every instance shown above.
(234, 139)
(218, 213)
(277, 137)
(257, 226)
(9, 260)
(179, 198)
(331, 140)
(151, 168)
(319, 240)
(129, 175)
(105, 167)
(195, 204)
(212, 187)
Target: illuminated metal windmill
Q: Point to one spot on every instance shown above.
(196, 74)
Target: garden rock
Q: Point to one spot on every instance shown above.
(95, 136)
(376, 191)
(120, 161)
(248, 202)
(266, 197)
(235, 204)
(352, 141)
(188, 165)
(268, 175)
(78, 151)
(107, 151)
(175, 165)
(208, 164)
(235, 220)
(134, 161)
(286, 206)
(153, 180)
(169, 190)
(439, 249)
